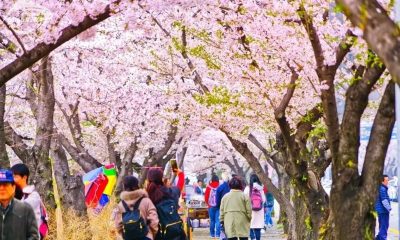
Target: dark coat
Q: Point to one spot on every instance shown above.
(221, 191)
(380, 200)
(18, 222)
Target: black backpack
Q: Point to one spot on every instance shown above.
(171, 225)
(133, 225)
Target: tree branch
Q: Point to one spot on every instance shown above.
(307, 22)
(356, 102)
(8, 44)
(305, 125)
(84, 160)
(289, 92)
(197, 78)
(380, 32)
(14, 140)
(344, 47)
(267, 155)
(14, 33)
(43, 49)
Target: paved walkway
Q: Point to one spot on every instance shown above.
(274, 233)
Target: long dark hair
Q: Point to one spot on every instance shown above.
(155, 185)
(254, 179)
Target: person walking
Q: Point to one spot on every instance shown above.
(235, 212)
(198, 187)
(269, 207)
(255, 191)
(30, 195)
(131, 195)
(222, 189)
(166, 200)
(18, 219)
(210, 198)
(383, 208)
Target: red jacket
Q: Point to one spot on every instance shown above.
(214, 184)
(181, 180)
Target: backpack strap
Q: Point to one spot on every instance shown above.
(136, 206)
(125, 206)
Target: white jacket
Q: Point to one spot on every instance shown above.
(32, 197)
(257, 217)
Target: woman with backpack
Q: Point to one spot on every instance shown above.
(166, 200)
(210, 197)
(255, 191)
(235, 212)
(133, 198)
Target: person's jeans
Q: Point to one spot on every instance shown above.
(383, 219)
(268, 217)
(215, 226)
(255, 233)
(236, 238)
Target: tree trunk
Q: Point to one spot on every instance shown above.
(157, 158)
(303, 220)
(284, 186)
(126, 166)
(353, 196)
(40, 163)
(143, 172)
(113, 156)
(4, 162)
(71, 188)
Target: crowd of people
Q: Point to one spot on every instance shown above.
(237, 211)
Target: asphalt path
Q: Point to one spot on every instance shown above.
(393, 232)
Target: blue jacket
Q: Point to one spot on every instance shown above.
(382, 204)
(221, 191)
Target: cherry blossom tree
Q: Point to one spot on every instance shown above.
(142, 83)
